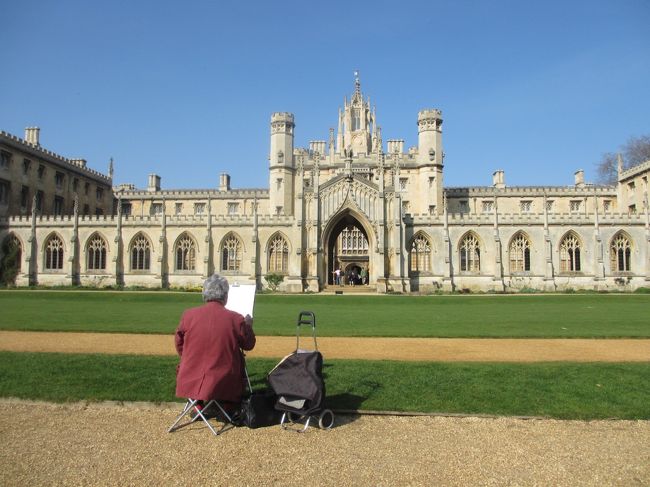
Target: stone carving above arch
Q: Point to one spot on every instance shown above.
(354, 193)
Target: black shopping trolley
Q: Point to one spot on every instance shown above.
(298, 383)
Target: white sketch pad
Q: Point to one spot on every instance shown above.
(241, 298)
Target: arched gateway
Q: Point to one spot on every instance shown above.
(348, 247)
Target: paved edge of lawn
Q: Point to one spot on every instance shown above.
(373, 348)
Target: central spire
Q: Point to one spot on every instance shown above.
(356, 132)
(357, 85)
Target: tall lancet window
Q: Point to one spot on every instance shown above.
(54, 253)
(140, 253)
(420, 254)
(185, 253)
(356, 119)
(520, 254)
(620, 252)
(231, 253)
(278, 255)
(470, 254)
(570, 254)
(96, 252)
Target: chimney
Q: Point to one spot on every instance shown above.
(499, 179)
(580, 178)
(79, 162)
(224, 182)
(154, 183)
(32, 135)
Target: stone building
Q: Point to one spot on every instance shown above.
(354, 203)
(31, 175)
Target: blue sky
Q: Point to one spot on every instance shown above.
(186, 89)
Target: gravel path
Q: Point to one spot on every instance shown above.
(433, 349)
(103, 444)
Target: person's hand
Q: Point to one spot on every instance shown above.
(249, 320)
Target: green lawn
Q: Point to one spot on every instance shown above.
(590, 315)
(558, 390)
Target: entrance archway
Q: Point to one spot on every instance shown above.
(348, 249)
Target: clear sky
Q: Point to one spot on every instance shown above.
(186, 89)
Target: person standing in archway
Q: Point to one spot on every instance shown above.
(337, 276)
(364, 276)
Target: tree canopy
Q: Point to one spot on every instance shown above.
(635, 151)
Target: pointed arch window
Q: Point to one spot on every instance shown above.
(620, 252)
(185, 253)
(420, 254)
(231, 253)
(470, 254)
(96, 253)
(54, 253)
(351, 241)
(570, 254)
(278, 255)
(140, 253)
(519, 254)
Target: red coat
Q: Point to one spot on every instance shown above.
(208, 340)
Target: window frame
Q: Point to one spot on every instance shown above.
(96, 253)
(53, 254)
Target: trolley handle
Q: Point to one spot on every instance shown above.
(306, 318)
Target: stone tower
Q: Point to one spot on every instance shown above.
(281, 162)
(430, 158)
(356, 123)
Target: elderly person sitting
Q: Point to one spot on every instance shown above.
(209, 340)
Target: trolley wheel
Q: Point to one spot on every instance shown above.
(326, 419)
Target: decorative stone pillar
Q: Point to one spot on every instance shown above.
(31, 257)
(448, 278)
(314, 237)
(162, 270)
(499, 284)
(73, 257)
(549, 279)
(379, 270)
(599, 264)
(118, 256)
(255, 243)
(207, 258)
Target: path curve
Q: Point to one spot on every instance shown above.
(406, 349)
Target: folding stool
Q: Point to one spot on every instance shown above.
(192, 406)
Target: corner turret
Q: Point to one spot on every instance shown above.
(281, 163)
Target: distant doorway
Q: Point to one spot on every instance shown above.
(347, 251)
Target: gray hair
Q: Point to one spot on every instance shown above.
(215, 288)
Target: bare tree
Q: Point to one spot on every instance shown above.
(606, 171)
(635, 151)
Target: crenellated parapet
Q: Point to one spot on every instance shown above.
(430, 119)
(78, 165)
(587, 190)
(282, 123)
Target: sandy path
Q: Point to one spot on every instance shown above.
(424, 349)
(98, 444)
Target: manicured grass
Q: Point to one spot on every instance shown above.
(591, 315)
(558, 390)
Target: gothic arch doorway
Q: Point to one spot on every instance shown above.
(348, 248)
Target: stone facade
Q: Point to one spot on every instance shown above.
(347, 203)
(33, 176)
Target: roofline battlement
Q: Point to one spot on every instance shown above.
(634, 170)
(56, 158)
